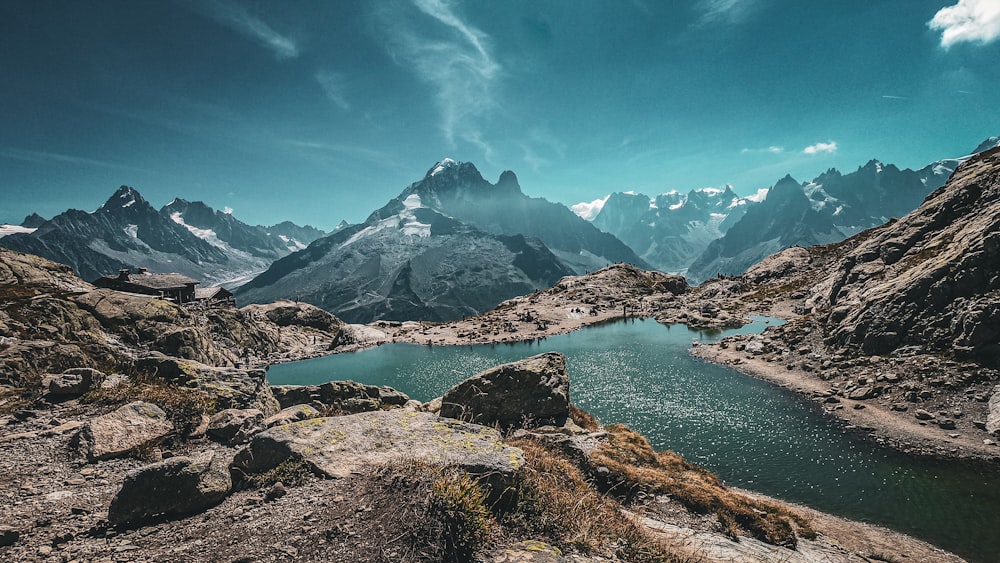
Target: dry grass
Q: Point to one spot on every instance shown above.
(634, 466)
(583, 419)
(183, 405)
(556, 504)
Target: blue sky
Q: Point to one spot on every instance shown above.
(321, 111)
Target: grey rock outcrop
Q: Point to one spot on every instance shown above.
(342, 396)
(930, 279)
(527, 393)
(229, 388)
(72, 382)
(290, 313)
(337, 446)
(123, 430)
(291, 414)
(173, 487)
(993, 412)
(235, 426)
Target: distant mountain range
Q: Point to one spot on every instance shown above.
(189, 238)
(711, 231)
(450, 245)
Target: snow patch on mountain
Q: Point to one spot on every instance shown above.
(440, 167)
(207, 235)
(292, 244)
(132, 230)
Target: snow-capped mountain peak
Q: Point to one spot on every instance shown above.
(443, 165)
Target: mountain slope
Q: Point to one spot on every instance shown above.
(126, 231)
(930, 280)
(848, 203)
(457, 189)
(408, 261)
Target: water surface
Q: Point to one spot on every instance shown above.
(752, 433)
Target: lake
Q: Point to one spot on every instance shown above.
(753, 434)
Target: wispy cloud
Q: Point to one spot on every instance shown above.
(891, 97)
(237, 18)
(773, 149)
(725, 11)
(972, 21)
(454, 58)
(818, 148)
(43, 157)
(333, 85)
(346, 151)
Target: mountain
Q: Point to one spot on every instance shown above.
(672, 229)
(828, 209)
(221, 228)
(127, 232)
(929, 280)
(408, 261)
(458, 190)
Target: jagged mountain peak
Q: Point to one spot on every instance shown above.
(990, 143)
(125, 197)
(443, 165)
(33, 221)
(450, 180)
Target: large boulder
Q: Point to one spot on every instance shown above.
(229, 388)
(338, 446)
(343, 396)
(993, 412)
(123, 430)
(524, 394)
(173, 487)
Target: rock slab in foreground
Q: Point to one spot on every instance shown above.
(176, 486)
(123, 430)
(338, 446)
(526, 394)
(993, 412)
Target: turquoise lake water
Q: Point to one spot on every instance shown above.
(751, 433)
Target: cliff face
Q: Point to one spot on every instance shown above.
(930, 280)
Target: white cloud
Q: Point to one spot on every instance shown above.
(589, 209)
(227, 210)
(334, 88)
(973, 21)
(830, 147)
(454, 58)
(773, 149)
(235, 17)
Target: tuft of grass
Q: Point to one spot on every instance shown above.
(183, 405)
(292, 472)
(556, 503)
(583, 419)
(633, 466)
(458, 505)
